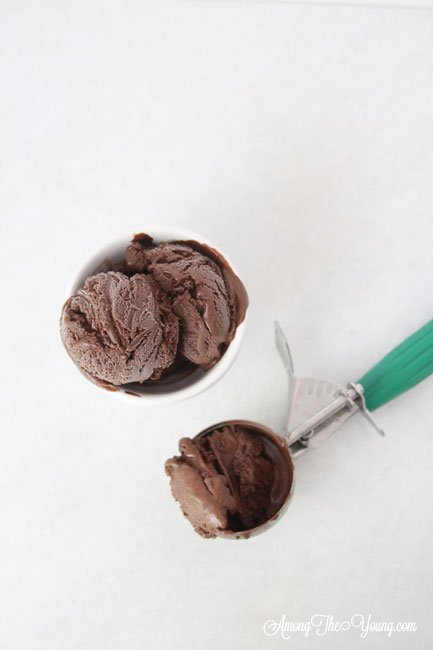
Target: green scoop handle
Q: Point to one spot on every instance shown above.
(401, 369)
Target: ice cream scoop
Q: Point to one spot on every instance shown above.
(231, 478)
(236, 478)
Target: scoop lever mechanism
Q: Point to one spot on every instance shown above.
(317, 407)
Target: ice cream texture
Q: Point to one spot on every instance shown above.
(119, 329)
(230, 479)
(163, 302)
(204, 294)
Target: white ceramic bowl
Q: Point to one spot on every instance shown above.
(197, 382)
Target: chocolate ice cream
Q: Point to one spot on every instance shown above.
(119, 329)
(206, 295)
(166, 309)
(230, 479)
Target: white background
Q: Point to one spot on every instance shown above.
(300, 140)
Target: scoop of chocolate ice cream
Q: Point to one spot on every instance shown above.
(119, 329)
(231, 479)
(208, 297)
(203, 493)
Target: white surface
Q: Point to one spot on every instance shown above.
(299, 139)
(412, 4)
